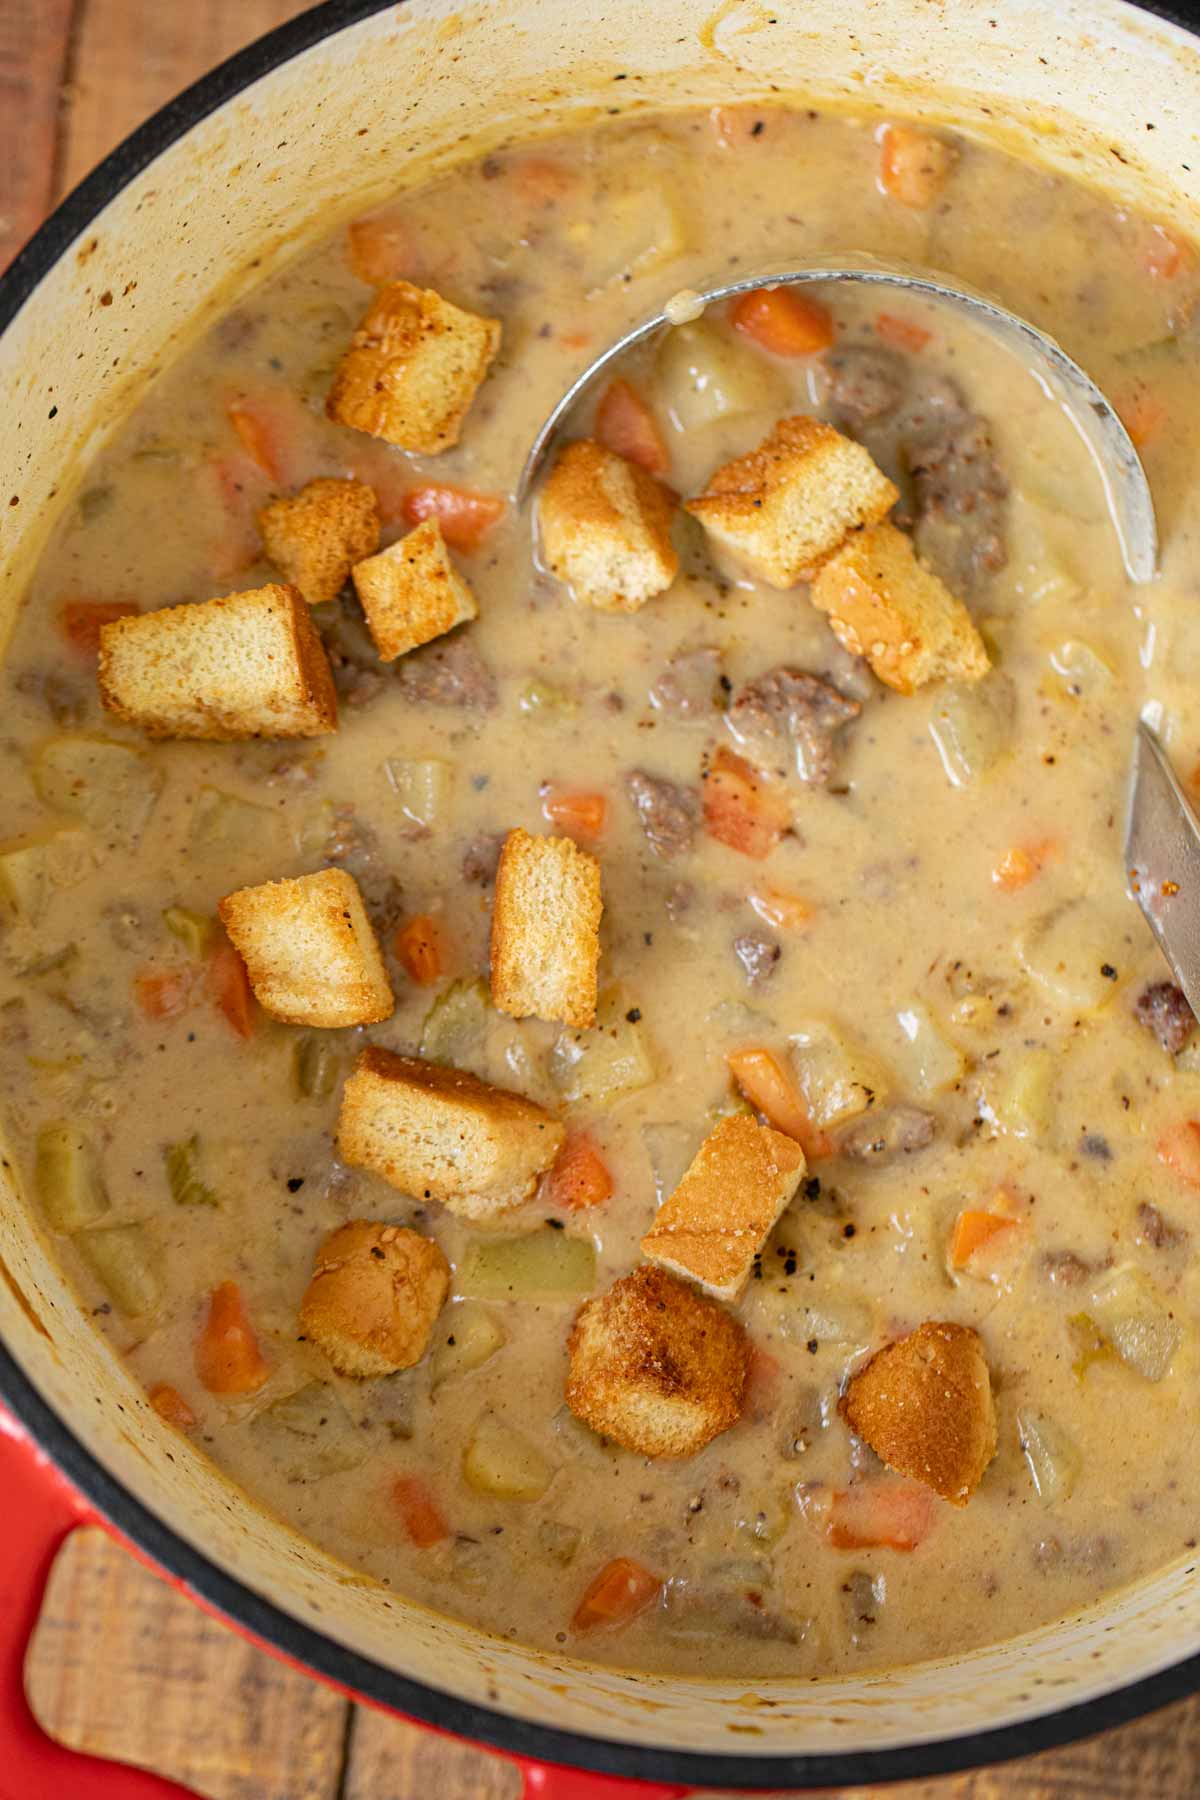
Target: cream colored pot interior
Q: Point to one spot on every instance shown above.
(1078, 83)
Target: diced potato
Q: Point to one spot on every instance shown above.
(183, 1174)
(500, 1462)
(455, 1028)
(541, 701)
(927, 1059)
(1071, 951)
(309, 1434)
(194, 930)
(110, 787)
(316, 1066)
(32, 869)
(670, 1148)
(125, 1262)
(838, 1079)
(604, 1064)
(467, 1336)
(1051, 1453)
(1137, 1322)
(423, 789)
(826, 1316)
(1022, 1098)
(514, 1268)
(226, 825)
(67, 1178)
(704, 375)
(644, 228)
(1085, 674)
(559, 1541)
(973, 727)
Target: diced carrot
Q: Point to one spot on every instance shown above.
(768, 1086)
(913, 165)
(574, 340)
(579, 1177)
(379, 249)
(80, 621)
(540, 180)
(1179, 1148)
(241, 489)
(163, 993)
(741, 809)
(277, 432)
(579, 813)
(901, 334)
(1019, 864)
(787, 912)
(259, 436)
(783, 321)
(228, 1359)
(170, 1405)
(1162, 255)
(423, 1519)
(625, 424)
(1143, 415)
(420, 949)
(973, 1229)
(764, 1384)
(621, 1590)
(465, 517)
(735, 126)
(229, 986)
(880, 1515)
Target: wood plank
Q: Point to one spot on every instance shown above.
(389, 1760)
(34, 43)
(123, 1666)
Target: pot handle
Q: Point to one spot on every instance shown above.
(41, 1509)
(548, 1781)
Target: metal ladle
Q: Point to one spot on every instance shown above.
(1126, 489)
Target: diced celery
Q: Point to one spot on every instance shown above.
(604, 1064)
(973, 727)
(32, 869)
(500, 1462)
(468, 1336)
(194, 930)
(828, 1318)
(927, 1059)
(542, 701)
(316, 1066)
(1022, 1100)
(309, 1434)
(524, 1066)
(455, 1027)
(67, 1177)
(423, 789)
(125, 1263)
(763, 1522)
(514, 1268)
(111, 787)
(1136, 1320)
(704, 376)
(837, 1078)
(558, 1540)
(1051, 1453)
(183, 1174)
(1089, 1343)
(225, 824)
(1071, 951)
(670, 1148)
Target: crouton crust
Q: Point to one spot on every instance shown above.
(411, 592)
(413, 368)
(314, 537)
(655, 1366)
(721, 1214)
(374, 1297)
(884, 604)
(310, 950)
(442, 1134)
(606, 528)
(785, 506)
(546, 930)
(924, 1404)
(245, 665)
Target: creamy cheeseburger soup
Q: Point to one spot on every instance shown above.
(604, 1070)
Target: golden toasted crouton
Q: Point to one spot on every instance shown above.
(309, 950)
(316, 536)
(247, 665)
(441, 1134)
(375, 1294)
(412, 593)
(412, 369)
(606, 528)
(924, 1404)
(887, 606)
(722, 1212)
(546, 930)
(656, 1366)
(787, 505)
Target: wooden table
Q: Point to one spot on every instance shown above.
(178, 1691)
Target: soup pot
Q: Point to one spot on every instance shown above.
(324, 117)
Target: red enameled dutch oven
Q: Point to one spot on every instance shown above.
(316, 121)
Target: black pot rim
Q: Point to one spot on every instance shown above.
(224, 1593)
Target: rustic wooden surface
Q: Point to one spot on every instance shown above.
(120, 1664)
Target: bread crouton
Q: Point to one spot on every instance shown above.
(413, 368)
(887, 606)
(786, 506)
(411, 592)
(247, 665)
(546, 930)
(442, 1134)
(606, 528)
(374, 1297)
(721, 1214)
(924, 1404)
(310, 950)
(655, 1366)
(316, 536)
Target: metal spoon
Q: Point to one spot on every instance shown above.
(1162, 860)
(1125, 486)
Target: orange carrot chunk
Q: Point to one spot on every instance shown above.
(1143, 415)
(162, 993)
(540, 180)
(783, 321)
(465, 517)
(419, 949)
(80, 621)
(423, 1520)
(621, 1590)
(764, 1384)
(741, 809)
(901, 334)
(579, 1177)
(1162, 254)
(914, 166)
(1018, 866)
(1179, 1148)
(573, 810)
(625, 425)
(880, 1515)
(973, 1229)
(768, 1086)
(259, 435)
(228, 1359)
(787, 912)
(170, 1405)
(379, 250)
(241, 487)
(229, 986)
